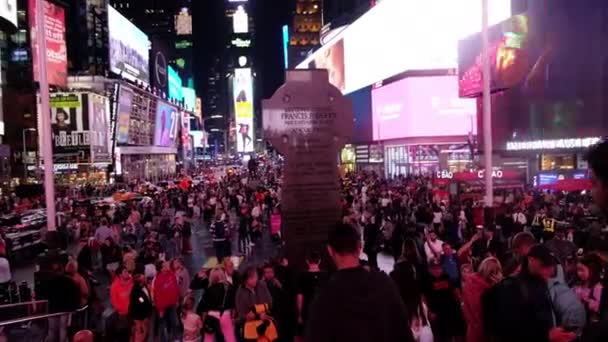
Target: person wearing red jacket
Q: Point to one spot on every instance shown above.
(165, 293)
(120, 291)
(120, 296)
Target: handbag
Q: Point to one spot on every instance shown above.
(212, 324)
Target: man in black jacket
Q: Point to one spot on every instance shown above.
(356, 305)
(519, 308)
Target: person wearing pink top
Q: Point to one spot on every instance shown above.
(589, 287)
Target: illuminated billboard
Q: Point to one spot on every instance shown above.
(129, 49)
(422, 107)
(56, 48)
(240, 21)
(399, 35)
(242, 91)
(189, 96)
(166, 128)
(8, 11)
(183, 22)
(175, 84)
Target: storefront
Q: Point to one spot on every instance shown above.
(426, 159)
(370, 158)
(149, 163)
(472, 183)
(553, 160)
(347, 159)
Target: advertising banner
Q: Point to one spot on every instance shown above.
(189, 96)
(400, 35)
(175, 85)
(167, 121)
(56, 49)
(422, 107)
(8, 11)
(99, 117)
(199, 139)
(243, 108)
(160, 58)
(129, 49)
(333, 61)
(70, 125)
(123, 115)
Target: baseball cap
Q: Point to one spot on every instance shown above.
(543, 254)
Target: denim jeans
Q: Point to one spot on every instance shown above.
(168, 324)
(58, 329)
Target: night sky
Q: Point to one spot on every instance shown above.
(211, 33)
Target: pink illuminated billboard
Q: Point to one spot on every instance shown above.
(422, 107)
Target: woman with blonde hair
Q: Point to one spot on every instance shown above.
(475, 285)
(217, 307)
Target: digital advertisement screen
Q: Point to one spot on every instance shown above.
(167, 124)
(129, 49)
(422, 107)
(189, 96)
(56, 49)
(99, 117)
(400, 35)
(199, 139)
(555, 81)
(509, 62)
(332, 59)
(175, 85)
(243, 108)
(123, 115)
(70, 125)
(8, 11)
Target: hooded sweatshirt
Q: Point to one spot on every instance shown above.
(165, 291)
(474, 287)
(358, 305)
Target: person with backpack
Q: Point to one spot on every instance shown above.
(219, 234)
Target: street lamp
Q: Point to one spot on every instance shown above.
(25, 151)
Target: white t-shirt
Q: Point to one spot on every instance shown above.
(437, 217)
(256, 211)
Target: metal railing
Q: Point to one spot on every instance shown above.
(36, 324)
(39, 317)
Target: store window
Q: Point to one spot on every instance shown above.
(557, 162)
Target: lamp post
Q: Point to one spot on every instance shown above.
(487, 115)
(45, 139)
(25, 151)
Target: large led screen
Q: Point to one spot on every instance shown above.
(175, 85)
(56, 48)
(8, 11)
(556, 81)
(400, 35)
(422, 107)
(123, 115)
(243, 108)
(508, 57)
(189, 96)
(167, 124)
(129, 49)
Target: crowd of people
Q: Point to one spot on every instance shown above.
(534, 272)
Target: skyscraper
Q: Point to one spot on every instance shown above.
(305, 30)
(240, 70)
